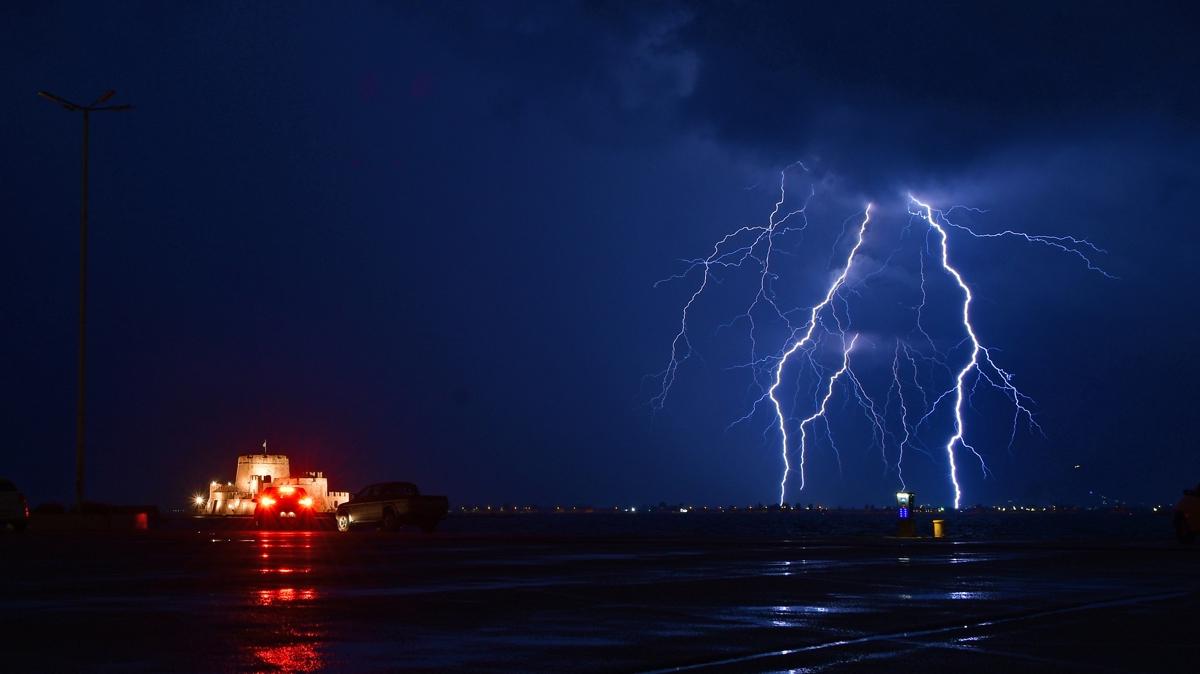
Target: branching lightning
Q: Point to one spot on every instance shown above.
(916, 366)
(819, 414)
(798, 344)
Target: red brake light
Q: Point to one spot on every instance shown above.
(287, 489)
(306, 501)
(266, 501)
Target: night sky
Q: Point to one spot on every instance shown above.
(420, 240)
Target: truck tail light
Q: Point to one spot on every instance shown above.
(306, 501)
(266, 501)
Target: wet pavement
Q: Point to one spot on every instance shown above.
(204, 600)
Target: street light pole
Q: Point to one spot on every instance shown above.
(81, 387)
(81, 393)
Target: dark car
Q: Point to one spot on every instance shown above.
(285, 505)
(14, 509)
(390, 505)
(1187, 516)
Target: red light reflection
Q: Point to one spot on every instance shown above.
(292, 644)
(267, 597)
(291, 658)
(284, 570)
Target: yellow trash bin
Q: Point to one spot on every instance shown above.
(939, 528)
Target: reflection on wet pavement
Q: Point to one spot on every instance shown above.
(314, 601)
(284, 630)
(297, 657)
(284, 595)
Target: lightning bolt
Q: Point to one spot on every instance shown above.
(731, 251)
(1003, 379)
(798, 344)
(818, 414)
(754, 246)
(972, 362)
(898, 386)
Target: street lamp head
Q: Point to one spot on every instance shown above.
(60, 100)
(73, 107)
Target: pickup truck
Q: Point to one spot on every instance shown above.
(390, 505)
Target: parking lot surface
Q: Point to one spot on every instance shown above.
(203, 598)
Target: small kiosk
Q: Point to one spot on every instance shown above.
(906, 503)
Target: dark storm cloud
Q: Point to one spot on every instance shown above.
(899, 93)
(936, 83)
(610, 73)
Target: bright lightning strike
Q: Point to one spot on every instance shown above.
(756, 246)
(972, 362)
(819, 414)
(997, 377)
(798, 344)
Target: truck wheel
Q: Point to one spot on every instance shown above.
(343, 523)
(1183, 532)
(389, 522)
